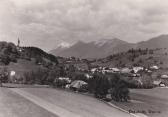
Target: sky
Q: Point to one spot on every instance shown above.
(50, 23)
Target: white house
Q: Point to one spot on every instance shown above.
(164, 76)
(115, 70)
(93, 70)
(77, 84)
(88, 76)
(137, 69)
(159, 83)
(68, 80)
(154, 67)
(125, 70)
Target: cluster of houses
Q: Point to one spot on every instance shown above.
(135, 72)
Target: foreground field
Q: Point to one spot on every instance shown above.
(14, 105)
(47, 102)
(151, 102)
(79, 105)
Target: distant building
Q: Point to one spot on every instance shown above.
(154, 67)
(115, 70)
(164, 79)
(159, 83)
(88, 76)
(78, 84)
(125, 70)
(164, 76)
(93, 70)
(137, 69)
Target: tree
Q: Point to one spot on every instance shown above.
(79, 76)
(99, 85)
(151, 52)
(62, 71)
(119, 89)
(147, 81)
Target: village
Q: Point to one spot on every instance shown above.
(83, 58)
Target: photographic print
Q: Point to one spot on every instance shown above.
(83, 58)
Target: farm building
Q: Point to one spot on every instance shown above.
(164, 79)
(78, 84)
(159, 83)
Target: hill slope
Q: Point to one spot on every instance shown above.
(156, 42)
(136, 57)
(13, 57)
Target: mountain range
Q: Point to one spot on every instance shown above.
(106, 47)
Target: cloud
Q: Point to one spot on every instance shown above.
(47, 23)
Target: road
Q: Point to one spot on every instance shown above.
(47, 102)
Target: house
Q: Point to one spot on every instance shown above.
(65, 79)
(137, 69)
(88, 76)
(149, 71)
(115, 70)
(125, 70)
(135, 76)
(154, 67)
(164, 76)
(159, 83)
(164, 79)
(93, 70)
(78, 84)
(106, 71)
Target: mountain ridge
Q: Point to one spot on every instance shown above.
(106, 47)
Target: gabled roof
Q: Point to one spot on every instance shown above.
(164, 76)
(78, 83)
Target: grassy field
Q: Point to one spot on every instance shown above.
(83, 105)
(14, 105)
(23, 66)
(151, 102)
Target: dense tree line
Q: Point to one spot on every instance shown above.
(8, 53)
(101, 85)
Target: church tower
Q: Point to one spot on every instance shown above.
(18, 44)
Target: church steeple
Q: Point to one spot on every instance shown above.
(18, 42)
